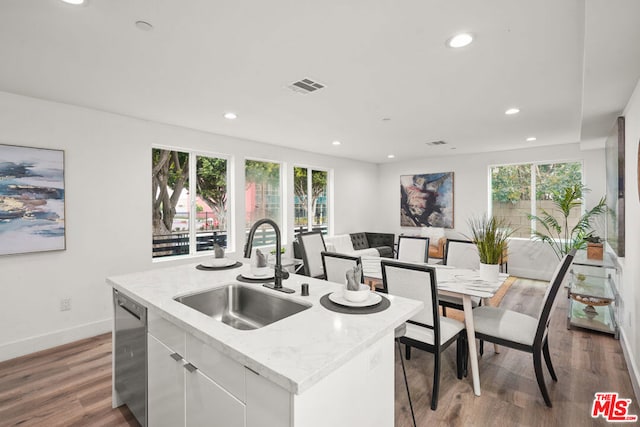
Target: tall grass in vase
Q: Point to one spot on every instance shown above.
(490, 235)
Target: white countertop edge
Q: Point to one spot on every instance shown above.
(293, 385)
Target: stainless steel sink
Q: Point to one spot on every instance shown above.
(242, 307)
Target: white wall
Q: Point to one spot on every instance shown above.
(108, 215)
(629, 287)
(471, 190)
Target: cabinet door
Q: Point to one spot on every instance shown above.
(166, 386)
(207, 404)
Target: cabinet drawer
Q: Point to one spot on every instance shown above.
(166, 332)
(228, 373)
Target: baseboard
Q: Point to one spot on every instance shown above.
(42, 342)
(634, 373)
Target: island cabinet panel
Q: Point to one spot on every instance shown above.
(208, 404)
(220, 368)
(359, 393)
(166, 385)
(167, 333)
(267, 403)
(182, 394)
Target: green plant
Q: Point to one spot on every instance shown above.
(490, 237)
(282, 250)
(558, 234)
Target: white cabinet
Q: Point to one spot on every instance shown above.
(181, 394)
(166, 385)
(208, 404)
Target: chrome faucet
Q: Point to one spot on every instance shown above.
(279, 274)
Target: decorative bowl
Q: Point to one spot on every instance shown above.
(261, 271)
(219, 262)
(357, 296)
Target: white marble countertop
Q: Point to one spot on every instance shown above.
(295, 352)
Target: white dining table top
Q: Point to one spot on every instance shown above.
(450, 279)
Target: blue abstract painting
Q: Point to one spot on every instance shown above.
(31, 200)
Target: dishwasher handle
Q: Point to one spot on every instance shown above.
(130, 306)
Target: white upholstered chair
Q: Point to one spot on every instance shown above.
(312, 245)
(336, 266)
(427, 330)
(413, 249)
(460, 254)
(522, 332)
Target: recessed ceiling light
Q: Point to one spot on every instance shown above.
(336, 142)
(230, 116)
(144, 26)
(531, 138)
(74, 2)
(512, 111)
(460, 40)
(391, 156)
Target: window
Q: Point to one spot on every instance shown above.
(519, 190)
(262, 199)
(310, 199)
(190, 205)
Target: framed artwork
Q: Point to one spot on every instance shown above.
(31, 200)
(614, 155)
(426, 200)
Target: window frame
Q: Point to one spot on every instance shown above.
(533, 186)
(329, 190)
(192, 190)
(282, 187)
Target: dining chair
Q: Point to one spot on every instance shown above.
(426, 330)
(459, 254)
(523, 332)
(311, 246)
(413, 249)
(336, 266)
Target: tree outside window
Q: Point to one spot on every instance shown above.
(311, 201)
(262, 198)
(512, 187)
(177, 228)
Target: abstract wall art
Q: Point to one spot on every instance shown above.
(32, 200)
(426, 200)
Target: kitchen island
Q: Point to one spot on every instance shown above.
(313, 368)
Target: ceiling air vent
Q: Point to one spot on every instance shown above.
(435, 143)
(305, 86)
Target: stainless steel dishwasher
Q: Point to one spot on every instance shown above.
(130, 353)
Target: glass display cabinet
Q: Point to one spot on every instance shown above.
(593, 298)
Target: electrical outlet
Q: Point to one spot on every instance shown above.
(65, 304)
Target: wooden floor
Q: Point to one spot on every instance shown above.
(585, 363)
(71, 385)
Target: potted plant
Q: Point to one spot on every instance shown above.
(490, 235)
(595, 248)
(556, 232)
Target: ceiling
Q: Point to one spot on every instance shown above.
(392, 84)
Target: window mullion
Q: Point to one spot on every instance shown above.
(193, 212)
(533, 197)
(309, 201)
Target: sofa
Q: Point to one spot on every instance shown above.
(362, 244)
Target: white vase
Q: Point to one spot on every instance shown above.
(489, 272)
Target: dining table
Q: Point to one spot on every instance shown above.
(457, 282)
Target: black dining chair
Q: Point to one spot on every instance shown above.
(459, 254)
(336, 266)
(523, 332)
(311, 246)
(427, 330)
(413, 249)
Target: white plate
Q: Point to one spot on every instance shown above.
(339, 299)
(252, 276)
(218, 263)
